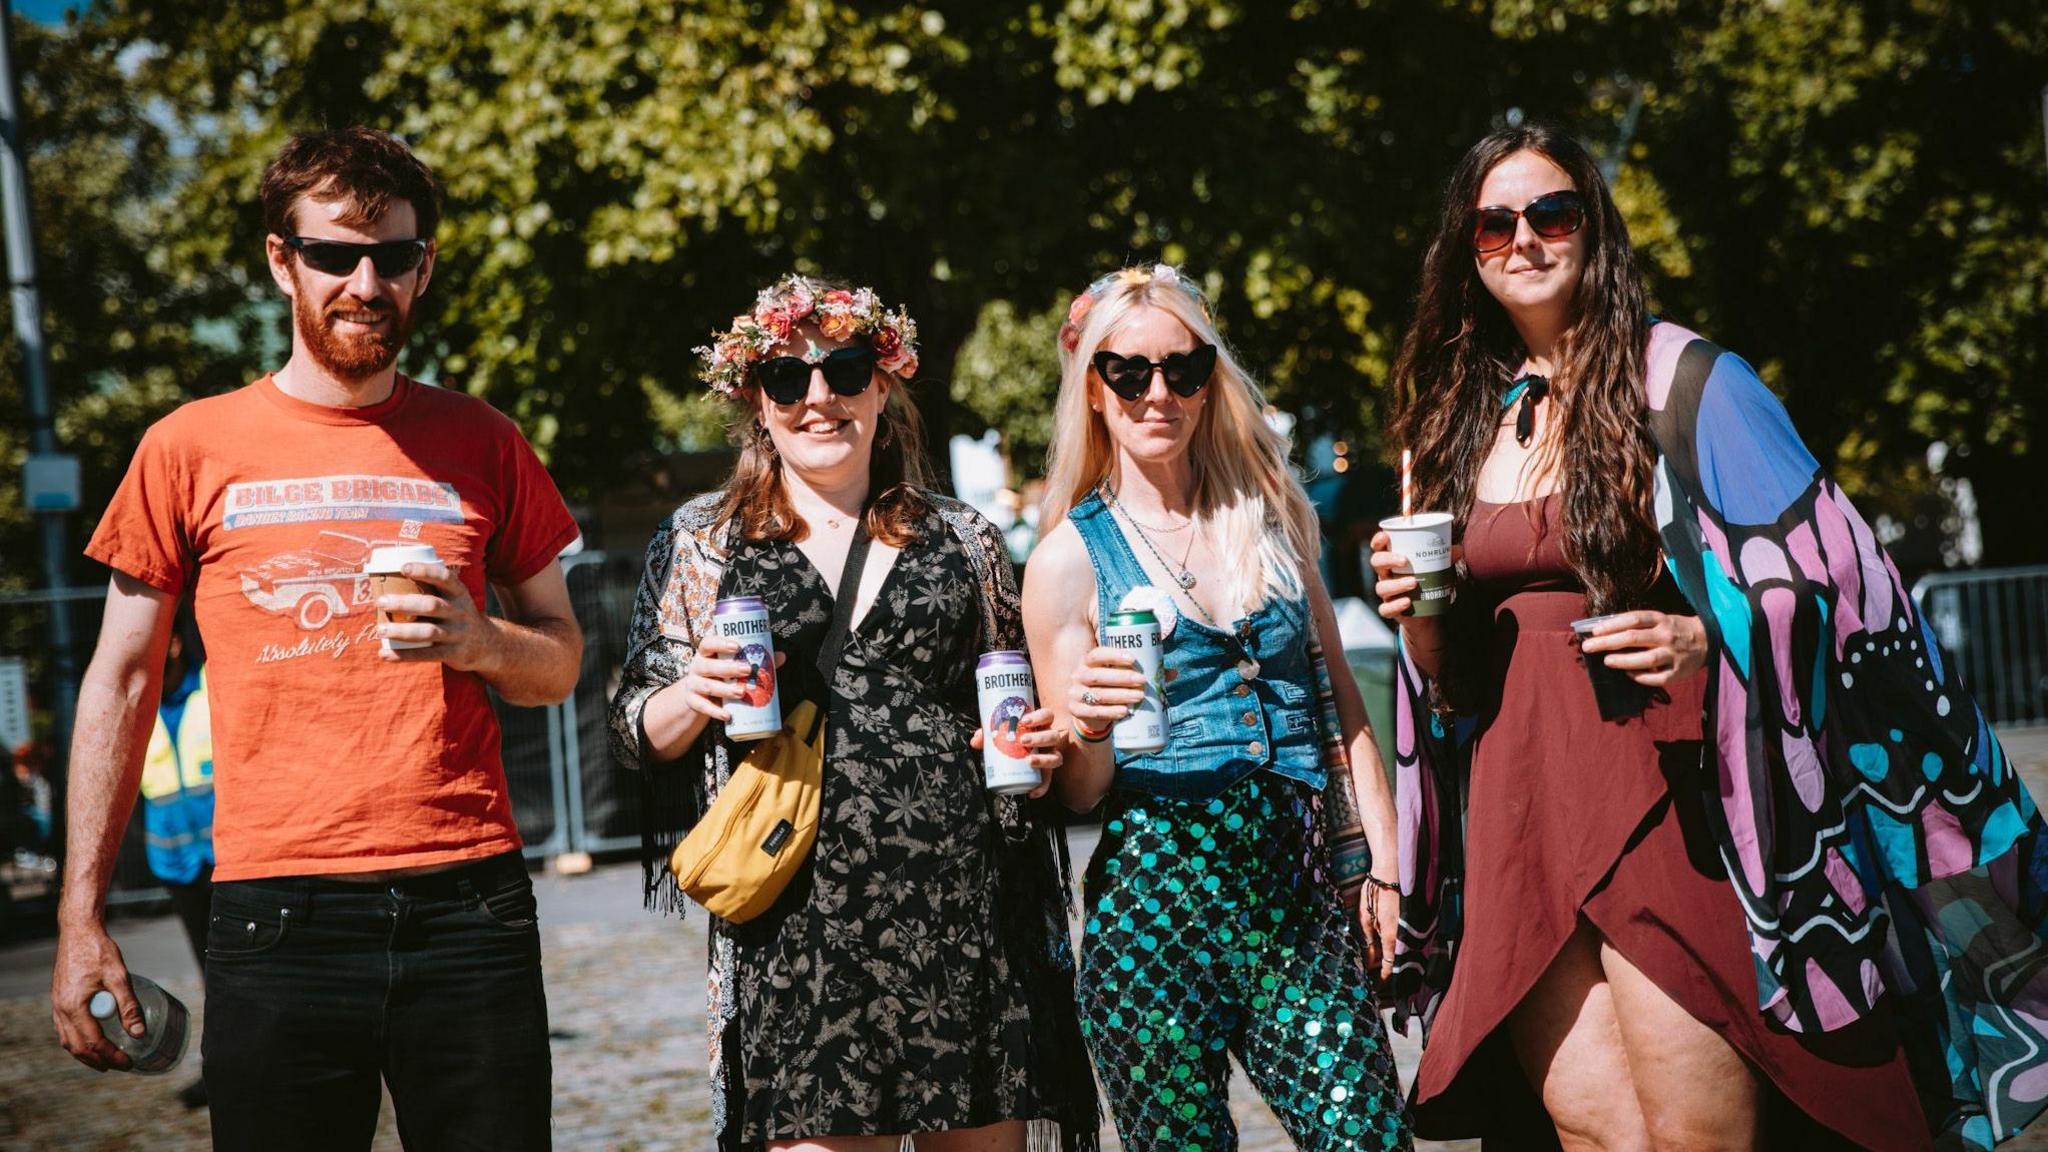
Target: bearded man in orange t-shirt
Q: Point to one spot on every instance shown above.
(372, 917)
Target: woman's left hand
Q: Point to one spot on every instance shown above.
(1379, 914)
(1653, 648)
(1045, 741)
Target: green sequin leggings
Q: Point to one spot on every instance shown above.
(1211, 929)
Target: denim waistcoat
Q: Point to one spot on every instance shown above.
(1226, 718)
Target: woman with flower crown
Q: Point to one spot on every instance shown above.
(916, 976)
(1214, 924)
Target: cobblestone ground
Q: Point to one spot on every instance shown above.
(625, 992)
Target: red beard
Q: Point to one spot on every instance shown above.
(354, 354)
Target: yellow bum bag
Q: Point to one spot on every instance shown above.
(759, 831)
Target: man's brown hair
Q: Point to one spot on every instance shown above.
(367, 168)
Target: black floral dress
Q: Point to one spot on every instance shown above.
(877, 995)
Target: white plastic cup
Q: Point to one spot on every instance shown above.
(385, 568)
(1425, 539)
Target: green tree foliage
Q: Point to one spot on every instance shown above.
(1851, 194)
(129, 333)
(1006, 375)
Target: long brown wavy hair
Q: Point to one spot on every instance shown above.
(1462, 352)
(756, 497)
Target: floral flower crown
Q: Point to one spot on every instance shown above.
(1077, 312)
(839, 313)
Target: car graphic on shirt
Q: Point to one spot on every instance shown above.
(317, 583)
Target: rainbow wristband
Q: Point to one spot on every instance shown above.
(1089, 736)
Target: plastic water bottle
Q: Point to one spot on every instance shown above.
(165, 1022)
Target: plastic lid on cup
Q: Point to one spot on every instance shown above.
(394, 557)
(102, 1005)
(1421, 521)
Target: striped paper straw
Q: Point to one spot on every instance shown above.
(1407, 483)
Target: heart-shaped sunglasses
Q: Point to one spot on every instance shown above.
(1129, 376)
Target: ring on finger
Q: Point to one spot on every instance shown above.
(1088, 697)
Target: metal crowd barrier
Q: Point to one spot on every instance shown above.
(1994, 625)
(567, 795)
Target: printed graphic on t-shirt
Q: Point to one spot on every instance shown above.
(321, 581)
(317, 583)
(341, 498)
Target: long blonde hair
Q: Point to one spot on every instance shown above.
(1245, 490)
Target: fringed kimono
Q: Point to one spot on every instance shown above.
(685, 563)
(1879, 842)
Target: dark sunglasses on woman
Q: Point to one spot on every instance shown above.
(1553, 215)
(787, 379)
(1129, 376)
(391, 258)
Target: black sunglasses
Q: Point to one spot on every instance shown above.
(1551, 215)
(1128, 376)
(787, 379)
(391, 259)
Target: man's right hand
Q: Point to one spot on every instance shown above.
(87, 961)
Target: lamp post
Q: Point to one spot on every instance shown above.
(51, 478)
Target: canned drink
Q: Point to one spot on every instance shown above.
(1136, 633)
(1002, 683)
(744, 620)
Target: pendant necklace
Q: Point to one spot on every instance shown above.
(1528, 388)
(1185, 577)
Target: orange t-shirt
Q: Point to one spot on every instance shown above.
(326, 758)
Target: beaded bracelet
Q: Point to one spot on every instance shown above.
(1373, 887)
(1090, 736)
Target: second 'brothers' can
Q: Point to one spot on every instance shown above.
(1136, 633)
(1002, 681)
(744, 620)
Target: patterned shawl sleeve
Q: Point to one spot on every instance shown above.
(1875, 834)
(670, 610)
(1432, 757)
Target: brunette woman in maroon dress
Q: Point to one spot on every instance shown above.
(1604, 995)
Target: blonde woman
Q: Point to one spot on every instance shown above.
(1212, 926)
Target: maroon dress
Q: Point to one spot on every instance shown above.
(1570, 816)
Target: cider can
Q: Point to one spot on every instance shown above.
(744, 620)
(1002, 684)
(1135, 632)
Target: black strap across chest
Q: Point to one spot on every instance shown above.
(843, 600)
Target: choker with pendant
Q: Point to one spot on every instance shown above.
(1529, 389)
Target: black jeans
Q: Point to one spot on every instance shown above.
(194, 905)
(317, 988)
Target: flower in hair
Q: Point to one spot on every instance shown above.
(838, 313)
(1077, 312)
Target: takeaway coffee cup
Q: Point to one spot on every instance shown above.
(1425, 539)
(1618, 696)
(384, 570)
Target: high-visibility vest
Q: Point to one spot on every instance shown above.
(177, 792)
